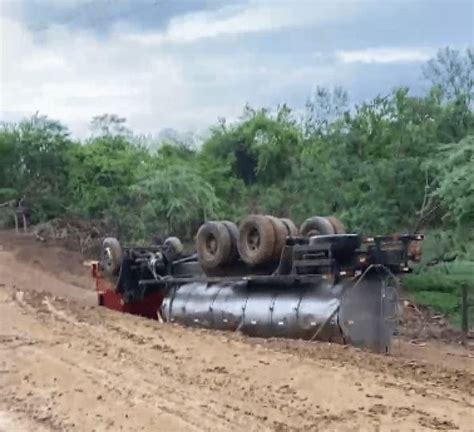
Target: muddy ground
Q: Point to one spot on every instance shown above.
(68, 365)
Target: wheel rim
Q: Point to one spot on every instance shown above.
(211, 245)
(108, 257)
(253, 240)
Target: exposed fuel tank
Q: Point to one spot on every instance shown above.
(362, 312)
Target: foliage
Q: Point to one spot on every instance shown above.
(34, 162)
(100, 174)
(452, 73)
(110, 125)
(175, 199)
(456, 186)
(444, 277)
(259, 148)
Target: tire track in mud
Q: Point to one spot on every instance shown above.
(394, 368)
(114, 382)
(417, 372)
(220, 376)
(125, 355)
(74, 367)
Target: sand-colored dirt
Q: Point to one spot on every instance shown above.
(66, 364)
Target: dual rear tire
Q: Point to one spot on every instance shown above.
(216, 244)
(259, 240)
(318, 225)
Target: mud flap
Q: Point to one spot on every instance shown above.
(369, 311)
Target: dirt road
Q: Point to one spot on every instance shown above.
(68, 365)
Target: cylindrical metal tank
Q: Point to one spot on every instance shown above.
(361, 312)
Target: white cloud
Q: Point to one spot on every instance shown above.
(257, 16)
(66, 4)
(384, 55)
(72, 75)
(158, 80)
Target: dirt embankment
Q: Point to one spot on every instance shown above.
(68, 365)
(43, 259)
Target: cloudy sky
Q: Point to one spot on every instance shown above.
(183, 63)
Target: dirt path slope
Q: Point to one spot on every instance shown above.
(66, 365)
(43, 259)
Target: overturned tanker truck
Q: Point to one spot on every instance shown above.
(266, 278)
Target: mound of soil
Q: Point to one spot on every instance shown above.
(422, 323)
(27, 256)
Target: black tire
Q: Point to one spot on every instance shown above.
(316, 225)
(213, 245)
(338, 226)
(234, 237)
(175, 247)
(291, 227)
(281, 233)
(256, 240)
(111, 256)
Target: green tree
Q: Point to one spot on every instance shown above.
(174, 199)
(100, 174)
(456, 185)
(452, 72)
(34, 163)
(259, 147)
(110, 125)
